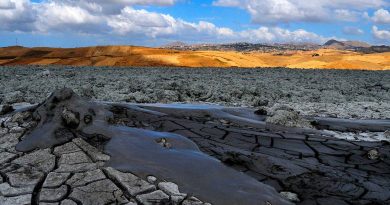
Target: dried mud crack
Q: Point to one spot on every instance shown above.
(70, 151)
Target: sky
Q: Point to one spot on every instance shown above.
(77, 23)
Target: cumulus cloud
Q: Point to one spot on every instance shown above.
(381, 16)
(121, 19)
(349, 30)
(16, 15)
(276, 11)
(276, 34)
(381, 34)
(7, 4)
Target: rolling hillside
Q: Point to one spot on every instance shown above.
(143, 56)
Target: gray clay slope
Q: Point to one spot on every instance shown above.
(167, 156)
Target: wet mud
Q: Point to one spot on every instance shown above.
(142, 152)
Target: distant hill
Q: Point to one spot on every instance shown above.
(346, 44)
(244, 47)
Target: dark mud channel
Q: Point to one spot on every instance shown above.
(223, 156)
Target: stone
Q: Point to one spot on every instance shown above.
(43, 160)
(53, 195)
(19, 200)
(173, 190)
(54, 179)
(133, 185)
(8, 191)
(386, 134)
(151, 179)
(70, 118)
(81, 179)
(98, 193)
(373, 154)
(293, 197)
(192, 201)
(156, 197)
(94, 153)
(170, 188)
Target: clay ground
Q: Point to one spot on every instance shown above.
(326, 93)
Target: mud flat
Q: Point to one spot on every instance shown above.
(320, 93)
(68, 150)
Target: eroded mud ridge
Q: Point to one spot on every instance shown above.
(71, 151)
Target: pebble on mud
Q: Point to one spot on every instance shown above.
(373, 154)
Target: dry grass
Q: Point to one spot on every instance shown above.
(142, 56)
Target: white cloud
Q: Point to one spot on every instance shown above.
(346, 15)
(381, 16)
(381, 34)
(61, 17)
(352, 30)
(120, 19)
(16, 15)
(277, 11)
(7, 4)
(276, 34)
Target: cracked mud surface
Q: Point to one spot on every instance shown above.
(327, 93)
(320, 169)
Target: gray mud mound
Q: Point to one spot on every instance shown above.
(71, 151)
(65, 117)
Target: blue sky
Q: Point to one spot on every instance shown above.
(74, 23)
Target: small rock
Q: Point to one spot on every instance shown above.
(293, 197)
(386, 134)
(156, 197)
(163, 142)
(45, 73)
(373, 154)
(151, 179)
(169, 188)
(192, 201)
(225, 122)
(70, 118)
(87, 119)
